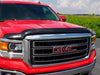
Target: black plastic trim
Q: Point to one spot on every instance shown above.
(45, 31)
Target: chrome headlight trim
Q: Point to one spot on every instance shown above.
(92, 43)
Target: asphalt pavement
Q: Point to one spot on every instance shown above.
(96, 70)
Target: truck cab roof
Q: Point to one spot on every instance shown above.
(21, 2)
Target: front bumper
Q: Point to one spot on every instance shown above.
(68, 68)
(84, 70)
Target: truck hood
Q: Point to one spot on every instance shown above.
(21, 25)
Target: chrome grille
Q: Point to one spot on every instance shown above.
(42, 50)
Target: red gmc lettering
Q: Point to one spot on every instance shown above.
(63, 49)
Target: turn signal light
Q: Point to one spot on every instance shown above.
(4, 46)
(94, 39)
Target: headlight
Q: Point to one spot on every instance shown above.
(15, 47)
(11, 48)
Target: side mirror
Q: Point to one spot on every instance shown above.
(63, 18)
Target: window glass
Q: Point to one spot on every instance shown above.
(27, 12)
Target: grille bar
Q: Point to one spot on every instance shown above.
(39, 49)
(58, 42)
(50, 51)
(49, 60)
(50, 47)
(50, 55)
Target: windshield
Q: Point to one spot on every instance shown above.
(26, 12)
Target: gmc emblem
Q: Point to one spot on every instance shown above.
(64, 49)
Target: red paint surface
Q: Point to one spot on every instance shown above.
(21, 25)
(18, 64)
(22, 2)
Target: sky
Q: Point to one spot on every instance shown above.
(71, 6)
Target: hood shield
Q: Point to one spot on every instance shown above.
(24, 33)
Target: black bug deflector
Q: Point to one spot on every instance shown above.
(45, 31)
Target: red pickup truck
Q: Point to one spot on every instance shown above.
(35, 40)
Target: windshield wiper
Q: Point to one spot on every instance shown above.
(5, 20)
(2, 20)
